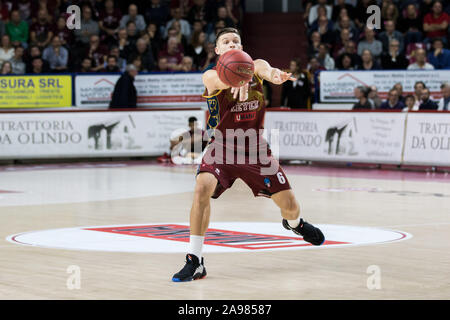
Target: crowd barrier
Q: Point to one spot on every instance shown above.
(365, 137)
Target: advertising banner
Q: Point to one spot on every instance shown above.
(41, 91)
(177, 89)
(90, 134)
(338, 136)
(427, 139)
(338, 86)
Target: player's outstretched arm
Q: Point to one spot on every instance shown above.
(212, 82)
(274, 75)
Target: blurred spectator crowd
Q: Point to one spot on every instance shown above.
(153, 35)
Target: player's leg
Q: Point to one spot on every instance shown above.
(199, 220)
(290, 211)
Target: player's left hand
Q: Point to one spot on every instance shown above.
(241, 91)
(279, 77)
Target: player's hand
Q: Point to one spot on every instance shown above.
(241, 91)
(279, 77)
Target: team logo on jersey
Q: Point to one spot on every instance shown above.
(220, 237)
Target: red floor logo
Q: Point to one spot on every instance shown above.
(215, 237)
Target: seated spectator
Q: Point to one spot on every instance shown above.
(197, 49)
(339, 46)
(222, 14)
(393, 59)
(37, 66)
(41, 32)
(421, 62)
(24, 7)
(410, 104)
(345, 62)
(342, 5)
(6, 49)
(374, 98)
(370, 43)
(121, 62)
(435, 23)
(361, 13)
(444, 102)
(109, 21)
(187, 64)
(368, 62)
(175, 32)
(122, 42)
(426, 102)
(324, 57)
(89, 27)
(345, 23)
(56, 55)
(6, 68)
(17, 29)
(97, 52)
(315, 41)
(411, 51)
(399, 87)
(132, 33)
(47, 5)
(439, 57)
(162, 65)
(134, 16)
(419, 86)
(389, 34)
(218, 26)
(362, 94)
(85, 66)
(143, 50)
(295, 94)
(389, 12)
(411, 25)
(173, 55)
(184, 24)
(17, 63)
(64, 34)
(35, 52)
(111, 64)
(350, 49)
(392, 102)
(325, 29)
(234, 11)
(155, 38)
(313, 12)
(156, 12)
(211, 57)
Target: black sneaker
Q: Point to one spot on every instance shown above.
(192, 270)
(309, 233)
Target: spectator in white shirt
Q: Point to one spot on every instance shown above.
(6, 49)
(313, 12)
(421, 62)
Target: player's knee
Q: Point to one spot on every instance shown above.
(204, 189)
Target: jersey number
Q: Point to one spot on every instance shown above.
(281, 178)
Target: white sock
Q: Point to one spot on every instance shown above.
(294, 223)
(196, 246)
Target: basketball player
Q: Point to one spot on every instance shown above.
(213, 179)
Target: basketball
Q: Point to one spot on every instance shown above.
(235, 68)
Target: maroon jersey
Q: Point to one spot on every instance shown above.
(110, 20)
(225, 112)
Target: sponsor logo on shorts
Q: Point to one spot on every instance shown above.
(220, 237)
(267, 182)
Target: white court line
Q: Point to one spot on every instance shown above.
(416, 225)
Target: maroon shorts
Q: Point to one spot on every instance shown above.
(261, 185)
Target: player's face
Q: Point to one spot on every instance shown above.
(227, 42)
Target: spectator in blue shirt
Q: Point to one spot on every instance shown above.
(393, 102)
(439, 57)
(56, 55)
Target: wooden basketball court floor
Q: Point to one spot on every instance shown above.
(48, 197)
